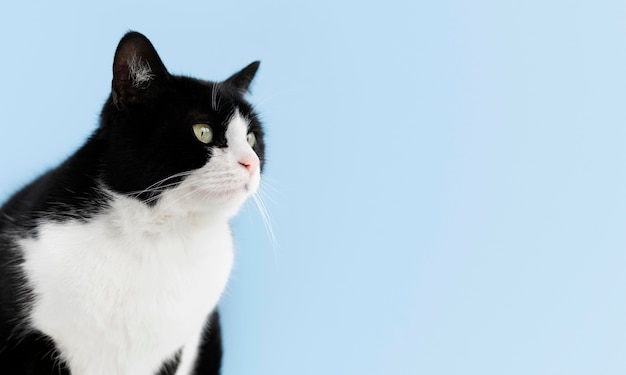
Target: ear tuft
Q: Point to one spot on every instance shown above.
(242, 79)
(136, 67)
(140, 72)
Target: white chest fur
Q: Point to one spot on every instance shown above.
(127, 289)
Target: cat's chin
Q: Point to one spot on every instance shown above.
(228, 197)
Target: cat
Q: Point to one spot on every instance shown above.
(114, 261)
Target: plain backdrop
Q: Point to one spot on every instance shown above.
(445, 179)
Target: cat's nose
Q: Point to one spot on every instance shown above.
(250, 162)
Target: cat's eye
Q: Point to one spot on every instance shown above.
(251, 139)
(203, 132)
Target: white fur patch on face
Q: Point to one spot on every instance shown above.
(231, 175)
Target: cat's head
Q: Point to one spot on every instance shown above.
(174, 138)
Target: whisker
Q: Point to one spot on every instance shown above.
(258, 199)
(214, 97)
(264, 194)
(178, 199)
(176, 175)
(157, 189)
(159, 186)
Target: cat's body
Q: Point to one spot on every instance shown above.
(113, 262)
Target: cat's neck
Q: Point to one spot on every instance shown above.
(167, 216)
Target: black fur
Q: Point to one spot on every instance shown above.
(144, 136)
(209, 354)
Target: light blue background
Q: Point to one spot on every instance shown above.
(447, 178)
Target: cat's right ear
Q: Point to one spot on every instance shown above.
(136, 68)
(242, 79)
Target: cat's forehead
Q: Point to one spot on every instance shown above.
(238, 125)
(214, 101)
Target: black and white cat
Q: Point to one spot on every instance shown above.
(113, 262)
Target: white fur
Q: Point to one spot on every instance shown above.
(130, 287)
(140, 72)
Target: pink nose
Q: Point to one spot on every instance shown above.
(250, 162)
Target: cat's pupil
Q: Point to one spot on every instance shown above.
(203, 132)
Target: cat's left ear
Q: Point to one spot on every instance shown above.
(242, 79)
(137, 68)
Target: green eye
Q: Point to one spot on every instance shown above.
(203, 132)
(251, 139)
